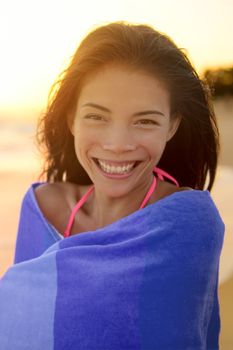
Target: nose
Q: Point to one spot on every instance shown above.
(119, 140)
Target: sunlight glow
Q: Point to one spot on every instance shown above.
(38, 38)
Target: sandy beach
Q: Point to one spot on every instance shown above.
(14, 184)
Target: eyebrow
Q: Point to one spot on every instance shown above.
(102, 108)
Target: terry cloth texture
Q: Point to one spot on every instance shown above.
(145, 282)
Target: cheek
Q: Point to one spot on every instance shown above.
(153, 143)
(83, 141)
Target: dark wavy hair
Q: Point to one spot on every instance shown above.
(190, 156)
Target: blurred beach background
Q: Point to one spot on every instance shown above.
(37, 41)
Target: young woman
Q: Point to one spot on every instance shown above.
(119, 247)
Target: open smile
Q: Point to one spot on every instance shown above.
(116, 168)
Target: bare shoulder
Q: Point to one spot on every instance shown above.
(57, 192)
(167, 189)
(56, 200)
(184, 188)
(49, 192)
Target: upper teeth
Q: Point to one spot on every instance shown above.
(115, 169)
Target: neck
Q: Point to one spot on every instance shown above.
(107, 209)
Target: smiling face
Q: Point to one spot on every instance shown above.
(123, 120)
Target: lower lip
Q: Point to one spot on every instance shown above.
(115, 176)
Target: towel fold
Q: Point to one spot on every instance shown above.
(148, 281)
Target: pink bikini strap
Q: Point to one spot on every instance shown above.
(75, 209)
(149, 193)
(161, 174)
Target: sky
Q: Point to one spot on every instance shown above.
(38, 38)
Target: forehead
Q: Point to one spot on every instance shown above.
(117, 83)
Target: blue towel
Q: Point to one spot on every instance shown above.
(148, 281)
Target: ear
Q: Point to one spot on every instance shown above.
(174, 124)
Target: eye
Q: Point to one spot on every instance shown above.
(93, 116)
(147, 122)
